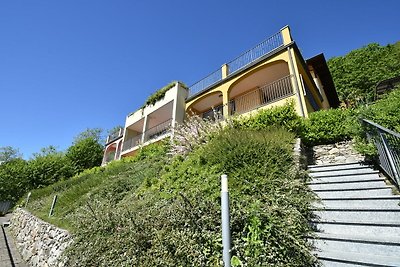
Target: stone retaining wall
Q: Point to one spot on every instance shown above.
(40, 243)
(342, 152)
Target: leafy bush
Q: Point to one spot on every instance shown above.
(13, 180)
(173, 218)
(385, 111)
(329, 126)
(357, 73)
(85, 154)
(192, 133)
(48, 167)
(113, 181)
(159, 94)
(282, 116)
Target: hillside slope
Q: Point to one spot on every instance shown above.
(154, 210)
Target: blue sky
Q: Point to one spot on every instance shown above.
(70, 65)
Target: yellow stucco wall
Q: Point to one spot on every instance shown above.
(300, 76)
(225, 87)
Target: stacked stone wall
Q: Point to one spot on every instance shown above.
(39, 243)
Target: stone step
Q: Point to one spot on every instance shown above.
(373, 183)
(366, 228)
(347, 178)
(380, 191)
(358, 244)
(343, 172)
(341, 258)
(359, 215)
(335, 167)
(383, 202)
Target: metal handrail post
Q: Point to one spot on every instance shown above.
(390, 158)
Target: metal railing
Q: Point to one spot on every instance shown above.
(5, 206)
(132, 142)
(152, 133)
(387, 143)
(262, 96)
(206, 82)
(213, 114)
(263, 48)
(114, 135)
(239, 63)
(158, 130)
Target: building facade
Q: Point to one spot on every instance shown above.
(270, 74)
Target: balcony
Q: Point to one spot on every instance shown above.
(251, 56)
(132, 142)
(114, 136)
(157, 131)
(261, 96)
(152, 134)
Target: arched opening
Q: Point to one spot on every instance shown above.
(207, 107)
(260, 87)
(110, 153)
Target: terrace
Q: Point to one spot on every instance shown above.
(251, 56)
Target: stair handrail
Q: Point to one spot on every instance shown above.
(387, 143)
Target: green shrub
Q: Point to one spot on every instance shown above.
(13, 180)
(283, 116)
(112, 182)
(329, 126)
(173, 219)
(159, 94)
(385, 111)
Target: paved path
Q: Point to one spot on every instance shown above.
(9, 256)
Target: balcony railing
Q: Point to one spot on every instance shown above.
(213, 114)
(250, 56)
(150, 134)
(114, 135)
(132, 142)
(262, 96)
(263, 48)
(206, 82)
(158, 130)
(387, 143)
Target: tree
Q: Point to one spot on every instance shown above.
(114, 130)
(13, 179)
(356, 74)
(93, 133)
(87, 150)
(48, 167)
(8, 153)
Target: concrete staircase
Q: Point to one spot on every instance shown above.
(358, 220)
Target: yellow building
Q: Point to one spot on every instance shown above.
(270, 74)
(267, 75)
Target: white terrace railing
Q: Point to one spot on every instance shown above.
(264, 48)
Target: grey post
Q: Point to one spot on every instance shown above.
(226, 232)
(53, 205)
(27, 199)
